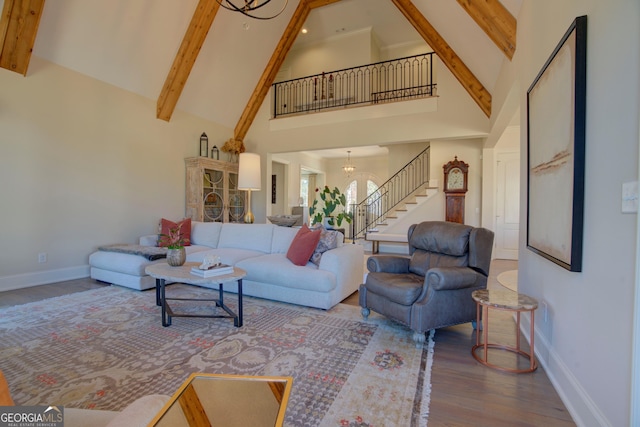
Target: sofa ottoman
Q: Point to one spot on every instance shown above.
(128, 269)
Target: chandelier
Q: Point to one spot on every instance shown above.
(348, 167)
(250, 7)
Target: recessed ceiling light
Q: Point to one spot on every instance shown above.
(304, 31)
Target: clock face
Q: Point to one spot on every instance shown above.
(455, 179)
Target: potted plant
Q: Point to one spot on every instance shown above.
(233, 147)
(327, 215)
(174, 242)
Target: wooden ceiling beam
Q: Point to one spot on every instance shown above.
(186, 57)
(446, 54)
(496, 21)
(18, 30)
(277, 58)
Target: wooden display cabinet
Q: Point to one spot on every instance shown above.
(212, 193)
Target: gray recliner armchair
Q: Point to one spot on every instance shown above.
(432, 288)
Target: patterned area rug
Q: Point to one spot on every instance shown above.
(104, 348)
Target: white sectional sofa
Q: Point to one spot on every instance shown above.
(261, 250)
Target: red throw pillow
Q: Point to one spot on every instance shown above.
(166, 226)
(303, 245)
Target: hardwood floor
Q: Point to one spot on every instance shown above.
(464, 392)
(38, 293)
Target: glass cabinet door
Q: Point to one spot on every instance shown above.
(213, 191)
(236, 200)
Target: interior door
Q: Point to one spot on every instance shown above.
(507, 205)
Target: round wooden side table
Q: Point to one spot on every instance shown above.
(507, 301)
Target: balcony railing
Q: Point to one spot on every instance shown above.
(399, 79)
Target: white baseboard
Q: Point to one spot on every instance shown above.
(26, 280)
(582, 408)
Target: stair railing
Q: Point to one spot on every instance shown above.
(374, 209)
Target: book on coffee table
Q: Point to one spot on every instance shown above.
(218, 270)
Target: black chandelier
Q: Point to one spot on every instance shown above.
(250, 6)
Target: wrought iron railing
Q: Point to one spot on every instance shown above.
(374, 209)
(404, 78)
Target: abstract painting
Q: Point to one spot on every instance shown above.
(556, 106)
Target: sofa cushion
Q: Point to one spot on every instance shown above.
(121, 263)
(282, 238)
(184, 230)
(227, 255)
(276, 269)
(256, 237)
(403, 289)
(128, 263)
(445, 238)
(303, 245)
(421, 261)
(206, 233)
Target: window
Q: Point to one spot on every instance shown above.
(353, 198)
(372, 187)
(352, 194)
(304, 190)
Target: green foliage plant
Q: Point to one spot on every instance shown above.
(332, 200)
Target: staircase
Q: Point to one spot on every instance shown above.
(385, 216)
(393, 229)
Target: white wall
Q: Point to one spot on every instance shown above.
(509, 142)
(339, 52)
(83, 164)
(372, 167)
(586, 345)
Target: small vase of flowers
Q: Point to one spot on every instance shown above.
(174, 242)
(333, 211)
(233, 147)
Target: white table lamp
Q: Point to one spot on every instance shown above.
(249, 178)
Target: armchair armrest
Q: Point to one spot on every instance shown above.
(149, 240)
(448, 278)
(388, 264)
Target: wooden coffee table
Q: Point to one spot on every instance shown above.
(163, 272)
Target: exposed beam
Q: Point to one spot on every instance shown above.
(277, 58)
(446, 54)
(496, 21)
(186, 57)
(18, 30)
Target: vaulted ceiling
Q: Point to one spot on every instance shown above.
(216, 64)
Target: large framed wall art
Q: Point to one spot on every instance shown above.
(556, 107)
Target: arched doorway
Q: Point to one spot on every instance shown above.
(357, 188)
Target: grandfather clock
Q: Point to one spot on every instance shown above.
(455, 188)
